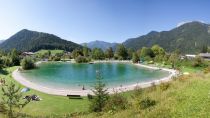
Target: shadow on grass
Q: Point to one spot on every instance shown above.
(4, 72)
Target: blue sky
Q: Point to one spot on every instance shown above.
(108, 20)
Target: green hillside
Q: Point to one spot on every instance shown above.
(188, 38)
(26, 40)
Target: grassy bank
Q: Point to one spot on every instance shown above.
(187, 97)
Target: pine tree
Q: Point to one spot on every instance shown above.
(101, 95)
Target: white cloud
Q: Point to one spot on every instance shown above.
(183, 22)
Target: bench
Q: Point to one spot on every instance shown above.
(74, 96)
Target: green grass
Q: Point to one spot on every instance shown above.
(191, 69)
(53, 52)
(183, 69)
(188, 97)
(50, 104)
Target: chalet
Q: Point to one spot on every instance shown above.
(27, 54)
(190, 56)
(205, 55)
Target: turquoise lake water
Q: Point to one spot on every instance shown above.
(65, 75)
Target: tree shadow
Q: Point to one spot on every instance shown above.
(4, 72)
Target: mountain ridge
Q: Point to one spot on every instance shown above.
(188, 38)
(27, 40)
(100, 44)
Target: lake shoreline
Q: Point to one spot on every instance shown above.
(22, 80)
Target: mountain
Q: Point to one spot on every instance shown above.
(188, 38)
(100, 44)
(1, 41)
(26, 40)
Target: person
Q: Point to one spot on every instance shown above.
(83, 87)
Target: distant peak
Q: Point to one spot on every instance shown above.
(152, 32)
(98, 41)
(24, 30)
(190, 22)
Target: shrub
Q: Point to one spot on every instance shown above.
(27, 63)
(198, 62)
(147, 103)
(89, 96)
(82, 59)
(164, 86)
(7, 61)
(148, 58)
(206, 70)
(116, 102)
(56, 58)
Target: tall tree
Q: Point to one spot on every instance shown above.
(157, 50)
(76, 53)
(146, 52)
(109, 53)
(98, 54)
(135, 58)
(130, 53)
(85, 51)
(204, 49)
(15, 57)
(121, 52)
(101, 95)
(174, 57)
(27, 63)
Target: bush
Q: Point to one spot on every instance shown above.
(164, 86)
(206, 70)
(7, 61)
(148, 58)
(27, 63)
(56, 58)
(198, 62)
(89, 96)
(82, 59)
(116, 102)
(147, 103)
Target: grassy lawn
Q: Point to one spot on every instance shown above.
(183, 69)
(50, 104)
(53, 52)
(191, 69)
